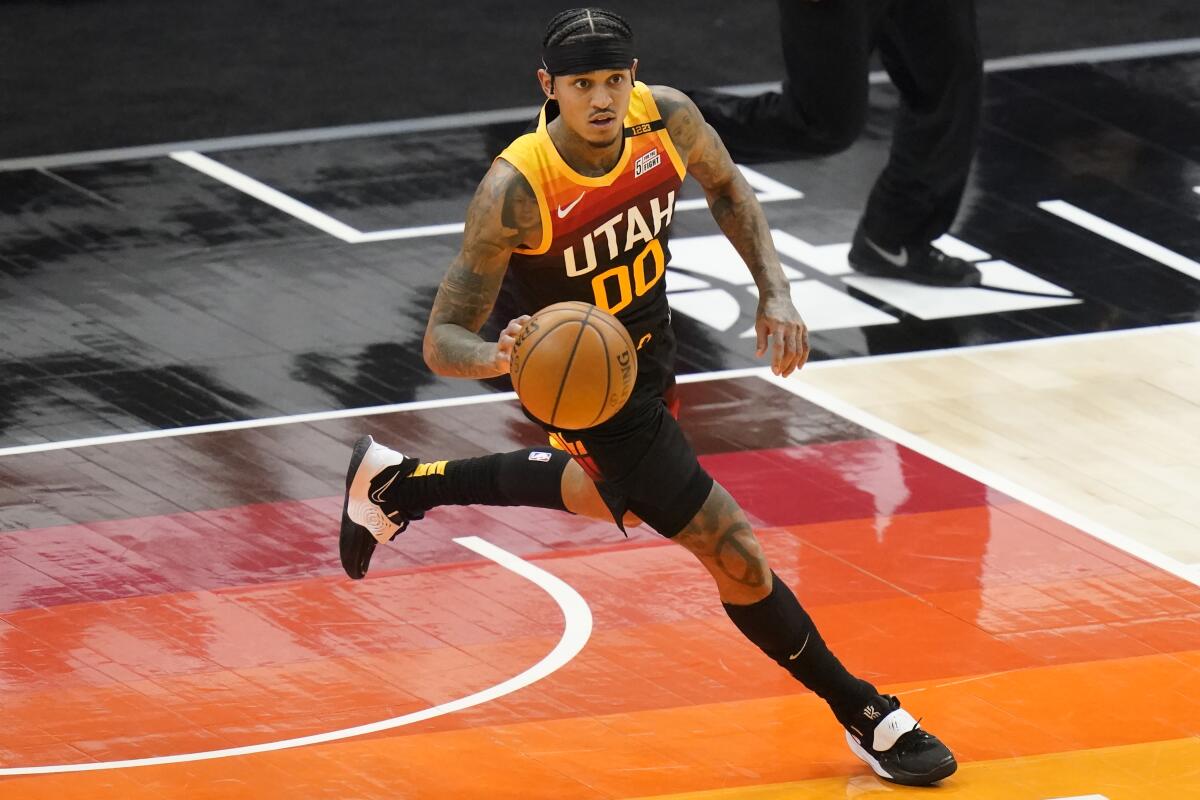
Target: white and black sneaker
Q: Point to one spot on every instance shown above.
(373, 469)
(920, 263)
(892, 744)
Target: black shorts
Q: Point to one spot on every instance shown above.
(640, 459)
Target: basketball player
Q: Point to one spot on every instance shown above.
(580, 209)
(931, 52)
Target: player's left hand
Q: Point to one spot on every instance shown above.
(779, 322)
(502, 357)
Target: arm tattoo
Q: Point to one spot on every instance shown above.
(681, 116)
(730, 198)
(499, 218)
(462, 305)
(521, 212)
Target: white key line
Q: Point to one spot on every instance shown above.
(272, 197)
(768, 189)
(1115, 233)
(301, 211)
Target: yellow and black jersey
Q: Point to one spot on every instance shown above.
(604, 239)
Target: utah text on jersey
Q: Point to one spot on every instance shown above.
(605, 238)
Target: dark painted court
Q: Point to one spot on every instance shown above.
(143, 293)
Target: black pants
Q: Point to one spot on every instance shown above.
(931, 52)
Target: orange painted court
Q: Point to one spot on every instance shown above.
(137, 644)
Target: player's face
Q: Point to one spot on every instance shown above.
(593, 104)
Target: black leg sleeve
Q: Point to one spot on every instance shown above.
(783, 630)
(531, 477)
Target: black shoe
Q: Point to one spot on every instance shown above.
(891, 744)
(921, 263)
(373, 468)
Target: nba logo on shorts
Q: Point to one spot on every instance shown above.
(539, 455)
(646, 163)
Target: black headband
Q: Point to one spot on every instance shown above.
(587, 55)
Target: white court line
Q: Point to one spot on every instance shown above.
(1094, 55)
(1115, 233)
(475, 118)
(497, 397)
(416, 232)
(967, 350)
(1087, 55)
(577, 629)
(267, 422)
(268, 195)
(768, 190)
(279, 139)
(720, 375)
(985, 476)
(302, 211)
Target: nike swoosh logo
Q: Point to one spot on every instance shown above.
(562, 212)
(796, 654)
(896, 259)
(377, 495)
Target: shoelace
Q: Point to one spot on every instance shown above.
(910, 740)
(404, 525)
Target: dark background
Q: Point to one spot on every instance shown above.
(92, 74)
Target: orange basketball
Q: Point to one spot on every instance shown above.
(573, 365)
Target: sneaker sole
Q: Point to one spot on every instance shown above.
(943, 770)
(352, 533)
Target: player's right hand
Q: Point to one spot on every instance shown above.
(779, 325)
(508, 338)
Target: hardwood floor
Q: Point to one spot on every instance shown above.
(1107, 425)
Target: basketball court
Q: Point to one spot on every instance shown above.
(985, 497)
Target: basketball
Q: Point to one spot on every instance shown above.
(573, 365)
